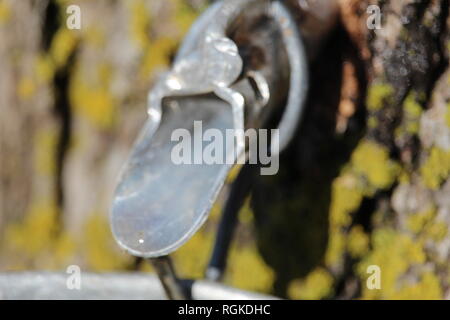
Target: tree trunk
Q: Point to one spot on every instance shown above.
(366, 181)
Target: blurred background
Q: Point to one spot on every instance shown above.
(365, 182)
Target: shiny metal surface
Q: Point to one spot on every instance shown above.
(298, 64)
(159, 205)
(108, 286)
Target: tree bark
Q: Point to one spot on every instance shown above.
(366, 181)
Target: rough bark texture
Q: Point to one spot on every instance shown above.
(365, 182)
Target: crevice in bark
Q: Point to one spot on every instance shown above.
(61, 107)
(63, 112)
(50, 24)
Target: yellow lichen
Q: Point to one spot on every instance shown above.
(370, 169)
(234, 172)
(436, 168)
(247, 270)
(36, 240)
(417, 221)
(44, 68)
(64, 248)
(336, 247)
(5, 12)
(426, 226)
(157, 55)
(436, 230)
(192, 258)
(378, 94)
(404, 177)
(62, 46)
(395, 253)
(99, 250)
(411, 107)
(371, 160)
(346, 197)
(36, 232)
(245, 214)
(26, 88)
(44, 152)
(245, 267)
(358, 242)
(412, 113)
(94, 36)
(94, 101)
(372, 122)
(184, 15)
(427, 288)
(140, 23)
(317, 285)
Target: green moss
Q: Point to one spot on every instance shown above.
(436, 168)
(378, 95)
(317, 285)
